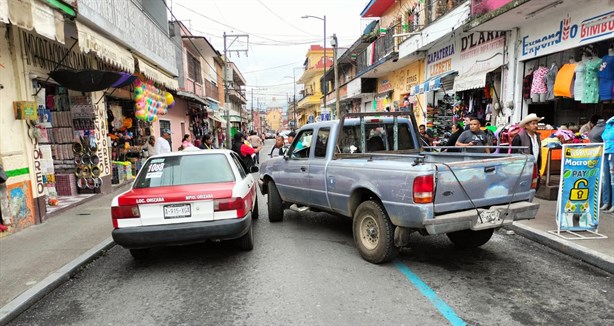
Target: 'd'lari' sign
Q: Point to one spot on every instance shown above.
(151, 101)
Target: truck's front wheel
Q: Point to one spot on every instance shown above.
(374, 233)
(470, 239)
(276, 209)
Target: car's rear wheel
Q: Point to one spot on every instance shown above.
(276, 209)
(470, 239)
(374, 233)
(255, 213)
(246, 242)
(140, 254)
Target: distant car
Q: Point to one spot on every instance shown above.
(187, 197)
(269, 135)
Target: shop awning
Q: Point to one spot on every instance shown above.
(432, 84)
(34, 15)
(157, 75)
(472, 80)
(219, 119)
(91, 41)
(193, 97)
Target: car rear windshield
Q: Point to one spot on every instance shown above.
(378, 137)
(184, 170)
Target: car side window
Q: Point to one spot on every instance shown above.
(321, 142)
(240, 165)
(302, 144)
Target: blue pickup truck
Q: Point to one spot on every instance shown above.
(374, 170)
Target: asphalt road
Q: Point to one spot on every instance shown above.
(306, 271)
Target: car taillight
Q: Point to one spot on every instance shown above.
(230, 204)
(119, 212)
(535, 177)
(423, 189)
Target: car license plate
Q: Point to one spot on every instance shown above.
(490, 216)
(177, 211)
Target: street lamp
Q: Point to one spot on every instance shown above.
(324, 74)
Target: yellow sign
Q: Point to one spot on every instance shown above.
(25, 110)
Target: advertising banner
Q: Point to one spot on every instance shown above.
(580, 187)
(570, 28)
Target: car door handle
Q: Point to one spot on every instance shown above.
(303, 169)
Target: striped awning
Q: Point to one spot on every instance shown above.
(432, 84)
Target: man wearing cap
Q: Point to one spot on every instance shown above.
(529, 137)
(162, 144)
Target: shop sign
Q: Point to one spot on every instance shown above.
(440, 60)
(46, 54)
(479, 51)
(102, 140)
(384, 86)
(25, 110)
(579, 27)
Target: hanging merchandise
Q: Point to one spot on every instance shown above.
(591, 83)
(606, 77)
(151, 101)
(564, 80)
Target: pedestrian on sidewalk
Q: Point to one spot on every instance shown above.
(529, 137)
(162, 144)
(607, 185)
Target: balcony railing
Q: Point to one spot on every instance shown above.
(193, 87)
(383, 46)
(211, 90)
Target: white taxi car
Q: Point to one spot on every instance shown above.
(187, 197)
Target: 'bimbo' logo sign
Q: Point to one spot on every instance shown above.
(600, 26)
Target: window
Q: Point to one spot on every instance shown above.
(184, 170)
(301, 145)
(321, 142)
(164, 124)
(240, 165)
(378, 137)
(194, 71)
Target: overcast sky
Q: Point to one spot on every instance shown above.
(278, 37)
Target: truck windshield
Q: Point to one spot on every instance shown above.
(378, 136)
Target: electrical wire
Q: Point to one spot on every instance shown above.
(282, 19)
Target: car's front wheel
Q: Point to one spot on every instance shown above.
(374, 233)
(470, 239)
(276, 209)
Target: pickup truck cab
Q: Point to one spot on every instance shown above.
(373, 170)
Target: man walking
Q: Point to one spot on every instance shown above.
(474, 137)
(162, 144)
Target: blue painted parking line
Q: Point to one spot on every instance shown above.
(426, 291)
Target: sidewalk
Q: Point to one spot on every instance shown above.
(598, 252)
(35, 261)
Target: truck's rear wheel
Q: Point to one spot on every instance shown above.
(276, 209)
(470, 239)
(374, 233)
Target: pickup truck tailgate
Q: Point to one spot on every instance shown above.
(483, 183)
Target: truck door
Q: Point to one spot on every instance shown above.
(317, 169)
(294, 182)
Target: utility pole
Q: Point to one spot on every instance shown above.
(227, 81)
(252, 111)
(336, 71)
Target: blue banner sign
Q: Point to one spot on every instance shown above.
(580, 187)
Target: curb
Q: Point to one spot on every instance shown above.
(590, 256)
(51, 282)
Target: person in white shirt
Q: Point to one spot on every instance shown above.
(162, 144)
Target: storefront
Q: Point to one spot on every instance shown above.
(564, 65)
(438, 90)
(477, 87)
(403, 81)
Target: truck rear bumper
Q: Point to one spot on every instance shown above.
(493, 217)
